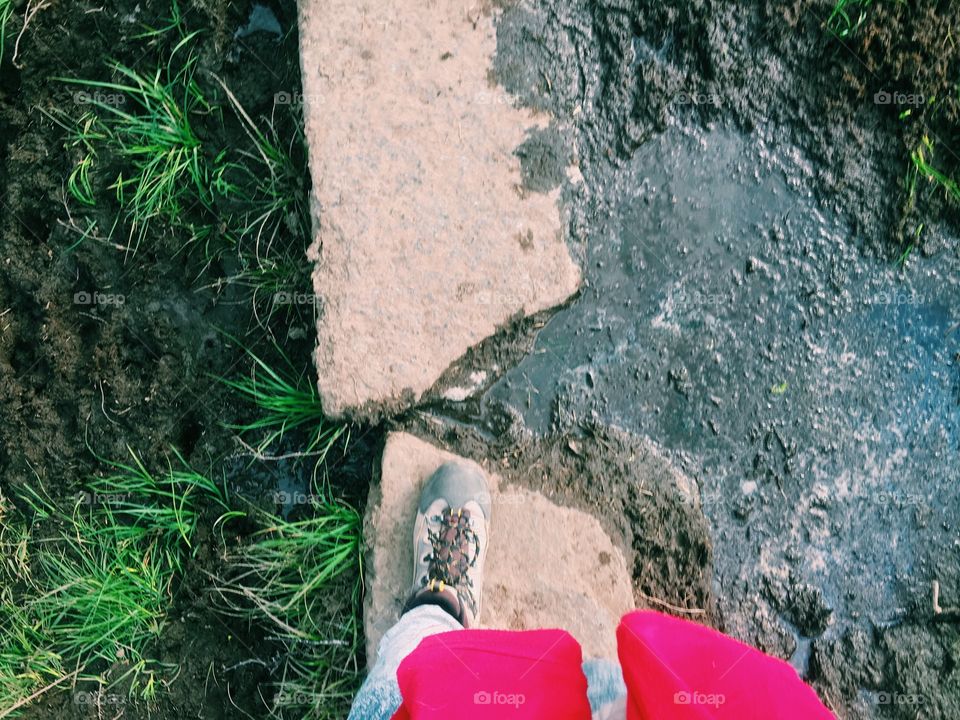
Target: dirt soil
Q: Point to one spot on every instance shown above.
(137, 367)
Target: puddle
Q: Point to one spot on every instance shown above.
(812, 391)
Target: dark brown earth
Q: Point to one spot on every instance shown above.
(901, 60)
(81, 381)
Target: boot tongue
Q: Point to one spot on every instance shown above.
(454, 550)
(451, 553)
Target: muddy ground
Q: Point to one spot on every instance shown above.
(101, 350)
(740, 222)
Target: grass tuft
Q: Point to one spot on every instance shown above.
(152, 132)
(921, 166)
(92, 594)
(147, 121)
(847, 16)
(173, 25)
(25, 663)
(287, 401)
(156, 505)
(6, 12)
(301, 581)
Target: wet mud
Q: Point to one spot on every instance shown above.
(739, 223)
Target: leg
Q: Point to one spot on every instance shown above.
(379, 697)
(605, 689)
(449, 545)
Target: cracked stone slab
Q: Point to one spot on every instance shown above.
(547, 566)
(426, 239)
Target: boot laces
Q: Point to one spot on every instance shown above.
(455, 548)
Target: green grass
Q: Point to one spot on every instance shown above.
(104, 597)
(264, 181)
(153, 131)
(154, 143)
(147, 121)
(921, 166)
(78, 183)
(275, 278)
(263, 198)
(83, 141)
(173, 25)
(301, 580)
(88, 588)
(157, 504)
(25, 664)
(6, 12)
(288, 563)
(847, 16)
(286, 401)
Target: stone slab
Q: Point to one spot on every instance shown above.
(425, 240)
(547, 566)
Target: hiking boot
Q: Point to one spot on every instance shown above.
(450, 542)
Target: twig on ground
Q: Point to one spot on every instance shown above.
(27, 700)
(669, 606)
(950, 614)
(257, 455)
(32, 10)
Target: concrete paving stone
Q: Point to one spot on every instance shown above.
(547, 566)
(425, 239)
